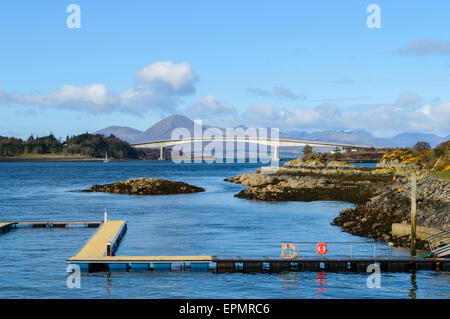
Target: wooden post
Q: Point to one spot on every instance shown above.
(413, 213)
(108, 248)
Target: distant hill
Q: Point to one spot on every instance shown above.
(295, 135)
(162, 130)
(410, 139)
(340, 136)
(125, 133)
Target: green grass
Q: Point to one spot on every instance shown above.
(45, 156)
(443, 174)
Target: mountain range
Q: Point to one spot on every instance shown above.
(162, 130)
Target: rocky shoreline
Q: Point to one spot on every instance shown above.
(382, 195)
(374, 218)
(311, 181)
(146, 186)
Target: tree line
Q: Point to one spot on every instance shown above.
(94, 145)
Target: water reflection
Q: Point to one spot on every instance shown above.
(289, 279)
(108, 284)
(412, 291)
(321, 281)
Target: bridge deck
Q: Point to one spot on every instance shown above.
(264, 141)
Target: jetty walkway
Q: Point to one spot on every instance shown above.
(88, 261)
(97, 255)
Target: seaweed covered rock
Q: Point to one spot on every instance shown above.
(374, 218)
(147, 186)
(311, 180)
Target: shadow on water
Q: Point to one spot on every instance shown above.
(412, 291)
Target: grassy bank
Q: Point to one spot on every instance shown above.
(443, 174)
(47, 157)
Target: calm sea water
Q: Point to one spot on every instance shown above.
(33, 261)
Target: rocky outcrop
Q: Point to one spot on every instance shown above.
(395, 163)
(146, 186)
(383, 195)
(312, 180)
(374, 218)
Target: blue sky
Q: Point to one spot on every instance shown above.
(290, 64)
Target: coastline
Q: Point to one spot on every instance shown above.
(69, 159)
(60, 158)
(19, 160)
(381, 195)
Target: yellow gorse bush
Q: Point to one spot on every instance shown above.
(403, 156)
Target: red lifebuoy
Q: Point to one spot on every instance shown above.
(321, 248)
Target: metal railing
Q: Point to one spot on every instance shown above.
(295, 249)
(440, 243)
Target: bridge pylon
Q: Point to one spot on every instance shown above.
(276, 153)
(161, 154)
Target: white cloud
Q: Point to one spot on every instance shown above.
(261, 114)
(3, 97)
(426, 110)
(407, 113)
(341, 99)
(269, 115)
(209, 105)
(286, 93)
(212, 111)
(278, 92)
(431, 117)
(94, 97)
(259, 92)
(158, 86)
(178, 77)
(425, 47)
(408, 99)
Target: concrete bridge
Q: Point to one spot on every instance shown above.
(274, 143)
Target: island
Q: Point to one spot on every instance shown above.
(146, 186)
